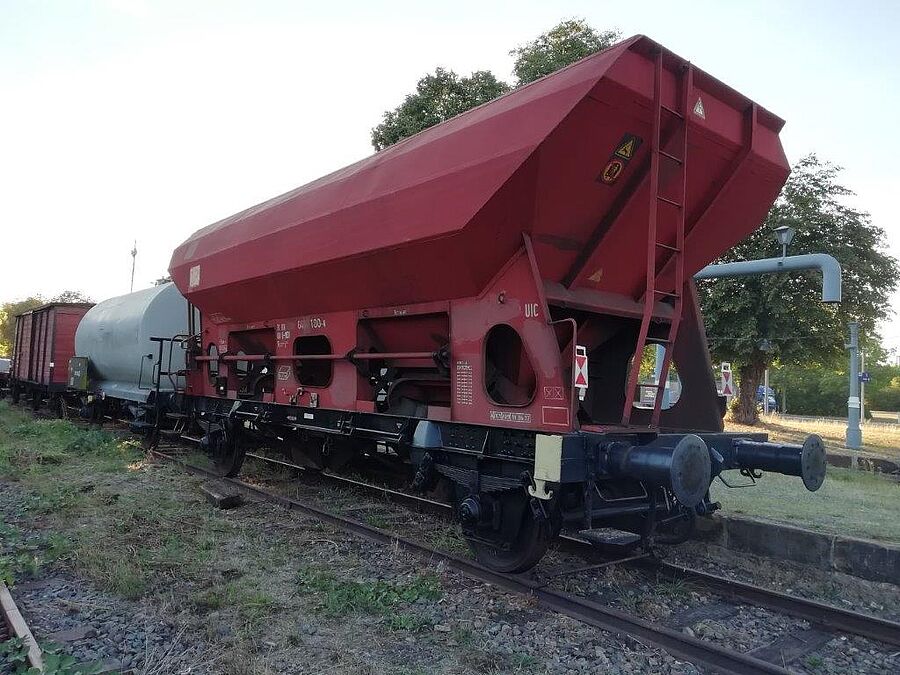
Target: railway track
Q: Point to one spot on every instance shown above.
(821, 615)
(677, 643)
(835, 619)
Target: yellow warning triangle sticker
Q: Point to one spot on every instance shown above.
(699, 110)
(626, 150)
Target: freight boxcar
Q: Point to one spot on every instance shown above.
(44, 343)
(473, 305)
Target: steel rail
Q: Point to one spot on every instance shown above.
(821, 614)
(678, 644)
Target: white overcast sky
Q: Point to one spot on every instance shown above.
(124, 120)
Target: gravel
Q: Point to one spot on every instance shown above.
(117, 633)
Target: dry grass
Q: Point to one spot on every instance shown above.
(879, 439)
(853, 503)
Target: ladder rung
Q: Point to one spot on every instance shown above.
(651, 386)
(671, 111)
(675, 159)
(671, 294)
(668, 201)
(655, 341)
(667, 247)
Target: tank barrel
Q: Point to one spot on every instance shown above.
(684, 468)
(806, 461)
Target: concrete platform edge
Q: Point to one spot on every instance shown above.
(872, 560)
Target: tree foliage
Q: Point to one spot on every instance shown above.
(8, 313)
(565, 43)
(754, 321)
(444, 94)
(10, 310)
(71, 296)
(822, 391)
(438, 97)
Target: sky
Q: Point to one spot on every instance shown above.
(143, 120)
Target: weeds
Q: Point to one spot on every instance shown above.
(674, 589)
(447, 539)
(21, 559)
(250, 602)
(378, 520)
(338, 597)
(14, 653)
(464, 636)
(814, 661)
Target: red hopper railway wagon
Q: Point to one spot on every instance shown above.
(472, 304)
(44, 343)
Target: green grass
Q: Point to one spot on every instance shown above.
(251, 602)
(675, 589)
(447, 539)
(89, 489)
(378, 520)
(853, 503)
(23, 559)
(337, 597)
(814, 662)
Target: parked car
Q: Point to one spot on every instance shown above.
(761, 392)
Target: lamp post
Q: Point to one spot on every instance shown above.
(785, 236)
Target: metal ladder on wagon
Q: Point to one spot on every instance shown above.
(655, 246)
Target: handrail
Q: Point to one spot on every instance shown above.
(367, 356)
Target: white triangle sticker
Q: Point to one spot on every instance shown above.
(698, 109)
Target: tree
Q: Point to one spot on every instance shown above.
(71, 296)
(437, 98)
(443, 94)
(565, 43)
(8, 313)
(754, 321)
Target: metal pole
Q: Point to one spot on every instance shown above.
(862, 388)
(657, 372)
(133, 260)
(854, 435)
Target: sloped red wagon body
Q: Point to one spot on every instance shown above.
(471, 298)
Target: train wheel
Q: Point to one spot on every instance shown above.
(520, 543)
(15, 395)
(35, 401)
(677, 529)
(227, 451)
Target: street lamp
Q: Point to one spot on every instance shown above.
(785, 235)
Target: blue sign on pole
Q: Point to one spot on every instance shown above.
(864, 377)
